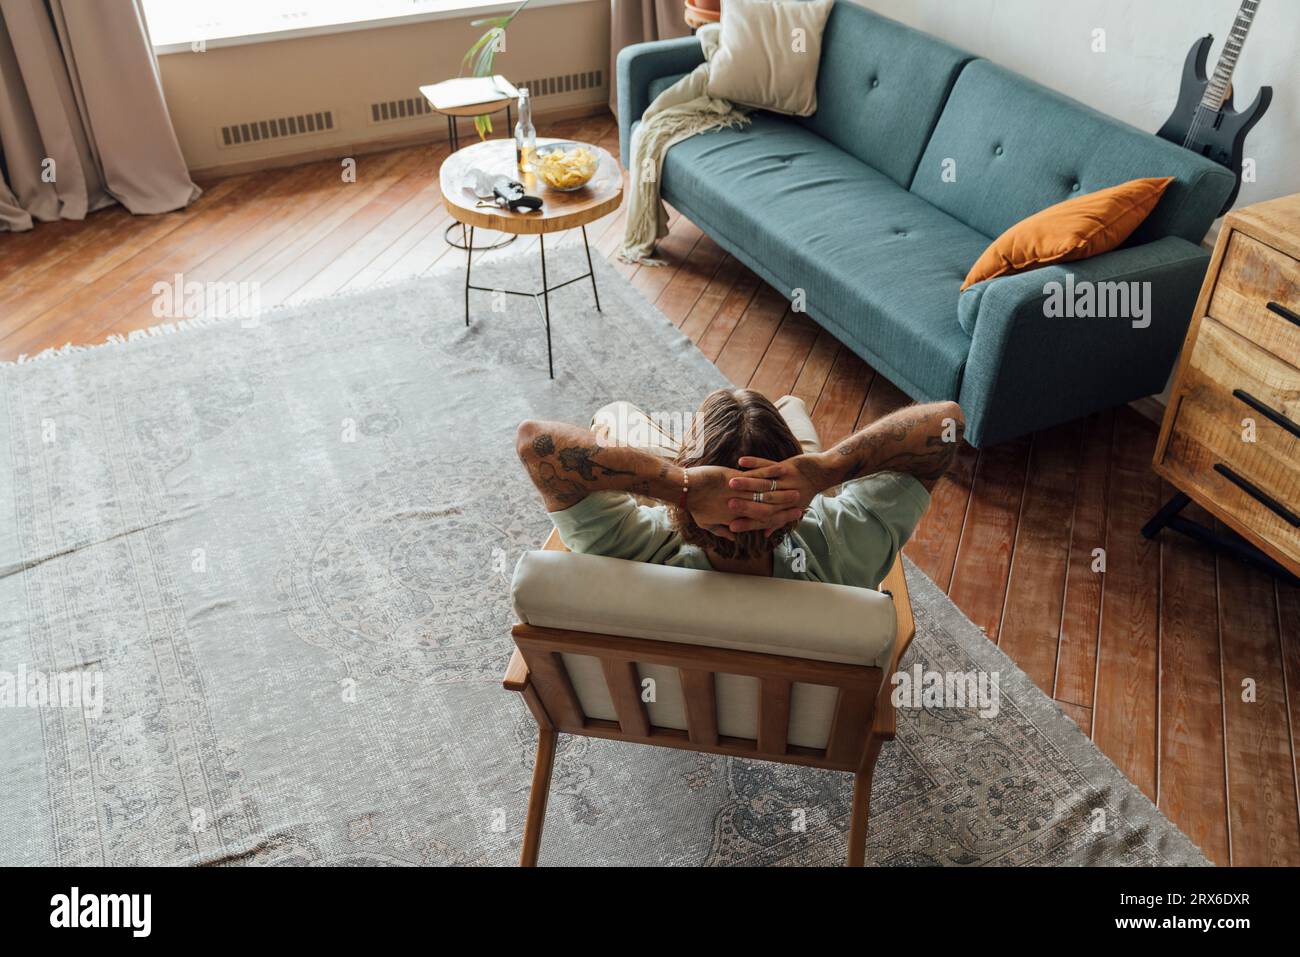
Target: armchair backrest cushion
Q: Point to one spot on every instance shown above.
(1006, 147)
(880, 88)
(610, 596)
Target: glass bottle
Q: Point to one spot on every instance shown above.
(525, 134)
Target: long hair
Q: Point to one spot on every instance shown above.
(731, 423)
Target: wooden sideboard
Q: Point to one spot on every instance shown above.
(1230, 439)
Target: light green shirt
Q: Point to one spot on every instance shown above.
(851, 538)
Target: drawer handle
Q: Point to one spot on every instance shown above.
(1271, 414)
(1251, 489)
(1284, 312)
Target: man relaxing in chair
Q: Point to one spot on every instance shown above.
(743, 494)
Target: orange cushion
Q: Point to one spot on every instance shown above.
(1075, 229)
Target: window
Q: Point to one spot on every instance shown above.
(177, 26)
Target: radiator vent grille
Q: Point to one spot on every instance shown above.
(566, 83)
(282, 127)
(406, 108)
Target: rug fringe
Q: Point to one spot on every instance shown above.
(174, 327)
(135, 335)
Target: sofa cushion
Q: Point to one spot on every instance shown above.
(879, 266)
(610, 596)
(596, 593)
(1010, 148)
(759, 63)
(880, 88)
(1088, 225)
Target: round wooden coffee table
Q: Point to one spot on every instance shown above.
(560, 211)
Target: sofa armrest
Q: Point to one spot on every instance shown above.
(638, 65)
(1056, 343)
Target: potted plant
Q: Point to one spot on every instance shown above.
(480, 59)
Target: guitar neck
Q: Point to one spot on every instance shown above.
(1216, 91)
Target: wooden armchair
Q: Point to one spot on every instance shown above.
(848, 705)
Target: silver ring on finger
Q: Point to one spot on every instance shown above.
(773, 488)
(758, 496)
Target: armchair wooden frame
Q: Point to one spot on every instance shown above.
(864, 716)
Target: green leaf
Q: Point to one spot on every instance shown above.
(487, 56)
(472, 51)
(480, 58)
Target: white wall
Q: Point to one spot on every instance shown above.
(346, 71)
(1136, 79)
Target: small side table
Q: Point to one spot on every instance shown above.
(471, 96)
(560, 211)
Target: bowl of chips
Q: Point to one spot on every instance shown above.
(565, 166)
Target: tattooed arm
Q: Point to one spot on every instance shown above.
(567, 464)
(920, 440)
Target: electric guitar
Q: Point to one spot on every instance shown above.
(1204, 119)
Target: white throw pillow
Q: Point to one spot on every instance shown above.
(769, 54)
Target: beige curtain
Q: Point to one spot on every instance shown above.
(83, 123)
(635, 21)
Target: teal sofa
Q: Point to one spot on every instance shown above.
(918, 156)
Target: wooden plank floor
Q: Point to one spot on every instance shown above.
(1182, 666)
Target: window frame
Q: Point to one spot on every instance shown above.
(460, 10)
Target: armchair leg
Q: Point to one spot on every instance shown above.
(541, 789)
(862, 803)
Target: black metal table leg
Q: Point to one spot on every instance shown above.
(469, 256)
(542, 297)
(546, 301)
(1162, 518)
(590, 271)
(1225, 541)
(505, 240)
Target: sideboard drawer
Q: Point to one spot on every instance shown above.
(1197, 470)
(1243, 405)
(1258, 295)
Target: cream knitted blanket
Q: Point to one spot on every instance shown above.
(679, 112)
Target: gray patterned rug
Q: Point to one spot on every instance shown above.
(285, 550)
